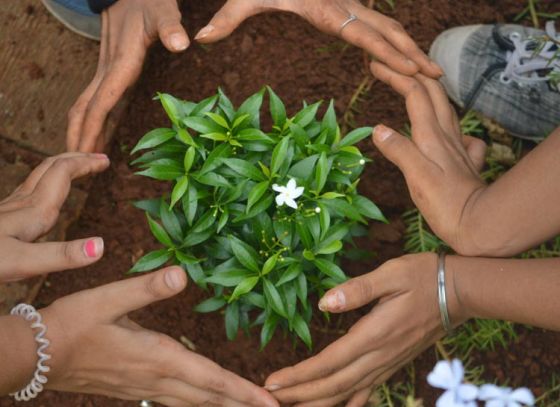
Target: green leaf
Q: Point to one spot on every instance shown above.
(277, 108)
(213, 179)
(244, 168)
(245, 254)
(162, 172)
(290, 274)
(184, 137)
(185, 258)
(232, 320)
(324, 220)
(189, 158)
(252, 134)
(279, 154)
(196, 274)
(170, 222)
(269, 264)
(290, 298)
(219, 120)
(205, 221)
(204, 106)
(229, 278)
(343, 208)
(149, 205)
(301, 288)
(302, 330)
(308, 255)
(252, 107)
(274, 299)
(256, 193)
(321, 172)
(172, 106)
(190, 203)
(307, 114)
(304, 233)
(332, 195)
(267, 331)
(240, 120)
(257, 209)
(330, 269)
(154, 138)
(329, 120)
(179, 189)
(210, 305)
(214, 158)
(214, 136)
(331, 248)
(151, 261)
(193, 239)
(223, 220)
(368, 208)
(255, 299)
(159, 232)
(304, 168)
(244, 287)
(355, 136)
(202, 125)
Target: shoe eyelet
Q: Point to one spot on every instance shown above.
(504, 79)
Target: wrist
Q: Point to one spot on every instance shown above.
(18, 356)
(468, 242)
(458, 299)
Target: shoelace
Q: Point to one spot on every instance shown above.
(534, 59)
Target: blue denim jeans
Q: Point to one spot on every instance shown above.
(79, 6)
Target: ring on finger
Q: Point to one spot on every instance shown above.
(348, 21)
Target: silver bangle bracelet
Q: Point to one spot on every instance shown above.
(442, 295)
(37, 384)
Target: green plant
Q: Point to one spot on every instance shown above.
(260, 218)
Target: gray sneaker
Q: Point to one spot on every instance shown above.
(508, 73)
(76, 16)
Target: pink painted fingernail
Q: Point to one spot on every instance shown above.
(333, 301)
(272, 387)
(382, 133)
(93, 247)
(204, 32)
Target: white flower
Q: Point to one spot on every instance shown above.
(449, 377)
(506, 397)
(317, 210)
(288, 194)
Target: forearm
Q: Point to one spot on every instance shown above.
(520, 210)
(522, 291)
(18, 354)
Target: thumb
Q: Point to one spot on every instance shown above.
(476, 149)
(129, 295)
(32, 259)
(398, 149)
(357, 292)
(170, 30)
(228, 18)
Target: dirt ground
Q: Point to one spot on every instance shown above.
(300, 64)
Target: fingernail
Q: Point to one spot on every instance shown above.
(178, 42)
(382, 133)
(93, 247)
(174, 279)
(271, 403)
(100, 156)
(438, 68)
(204, 32)
(272, 387)
(333, 301)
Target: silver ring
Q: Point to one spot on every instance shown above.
(351, 19)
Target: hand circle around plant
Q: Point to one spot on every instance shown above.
(220, 223)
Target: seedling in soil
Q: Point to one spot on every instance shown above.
(259, 218)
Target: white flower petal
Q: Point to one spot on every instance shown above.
(491, 391)
(280, 199)
(442, 376)
(291, 184)
(523, 395)
(467, 392)
(447, 399)
(298, 192)
(291, 203)
(513, 404)
(278, 188)
(458, 371)
(496, 403)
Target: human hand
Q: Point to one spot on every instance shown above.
(96, 349)
(440, 164)
(404, 322)
(32, 210)
(381, 36)
(128, 28)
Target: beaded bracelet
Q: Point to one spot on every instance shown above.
(37, 384)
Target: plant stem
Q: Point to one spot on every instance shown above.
(533, 11)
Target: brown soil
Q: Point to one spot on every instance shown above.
(300, 64)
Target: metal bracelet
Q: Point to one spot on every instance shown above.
(442, 295)
(37, 384)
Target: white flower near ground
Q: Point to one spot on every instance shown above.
(287, 195)
(506, 397)
(449, 377)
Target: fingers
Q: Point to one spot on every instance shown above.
(228, 18)
(126, 296)
(399, 39)
(170, 30)
(359, 291)
(24, 260)
(360, 398)
(476, 150)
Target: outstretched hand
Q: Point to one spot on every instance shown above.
(440, 164)
(96, 349)
(381, 36)
(32, 210)
(128, 28)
